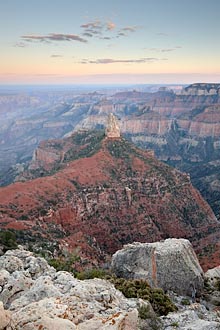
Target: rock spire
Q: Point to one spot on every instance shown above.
(112, 127)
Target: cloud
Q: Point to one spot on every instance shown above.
(163, 50)
(110, 60)
(129, 29)
(106, 30)
(167, 50)
(87, 34)
(162, 34)
(103, 30)
(125, 31)
(20, 44)
(110, 26)
(56, 55)
(92, 25)
(53, 37)
(105, 38)
(122, 34)
(93, 28)
(170, 49)
(93, 31)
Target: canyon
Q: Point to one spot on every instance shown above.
(181, 126)
(83, 179)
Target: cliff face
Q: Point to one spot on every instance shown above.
(201, 89)
(197, 116)
(103, 193)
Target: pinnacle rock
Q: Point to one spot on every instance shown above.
(112, 128)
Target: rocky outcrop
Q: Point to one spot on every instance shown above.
(38, 297)
(212, 277)
(42, 157)
(112, 127)
(195, 317)
(170, 264)
(35, 296)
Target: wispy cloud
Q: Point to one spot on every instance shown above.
(125, 31)
(88, 34)
(20, 45)
(122, 34)
(129, 28)
(56, 55)
(103, 30)
(93, 28)
(105, 38)
(106, 30)
(111, 60)
(93, 25)
(163, 50)
(54, 37)
(110, 26)
(162, 34)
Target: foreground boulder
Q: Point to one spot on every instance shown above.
(170, 264)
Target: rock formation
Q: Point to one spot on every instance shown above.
(112, 127)
(170, 264)
(212, 277)
(38, 297)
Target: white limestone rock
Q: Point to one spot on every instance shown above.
(5, 317)
(213, 276)
(11, 263)
(15, 285)
(195, 317)
(41, 298)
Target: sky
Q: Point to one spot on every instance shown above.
(106, 42)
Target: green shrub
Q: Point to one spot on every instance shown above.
(64, 263)
(174, 324)
(217, 284)
(8, 240)
(160, 302)
(185, 302)
(23, 217)
(144, 312)
(91, 273)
